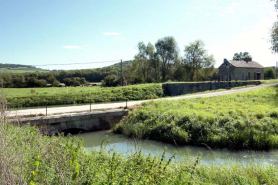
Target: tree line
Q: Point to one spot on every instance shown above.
(153, 63)
(54, 78)
(162, 62)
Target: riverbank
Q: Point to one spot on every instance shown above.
(27, 157)
(247, 120)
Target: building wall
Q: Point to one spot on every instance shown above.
(248, 74)
(223, 73)
(240, 73)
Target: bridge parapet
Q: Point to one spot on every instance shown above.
(93, 121)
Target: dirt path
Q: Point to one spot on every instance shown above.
(86, 108)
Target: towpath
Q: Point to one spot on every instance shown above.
(86, 108)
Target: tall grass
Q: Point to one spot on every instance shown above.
(247, 120)
(27, 157)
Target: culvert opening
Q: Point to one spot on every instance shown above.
(73, 131)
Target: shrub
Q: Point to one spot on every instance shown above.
(110, 81)
(269, 73)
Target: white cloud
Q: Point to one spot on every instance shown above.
(220, 15)
(253, 39)
(231, 8)
(208, 14)
(234, 4)
(72, 47)
(264, 5)
(111, 33)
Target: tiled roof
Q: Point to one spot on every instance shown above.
(250, 64)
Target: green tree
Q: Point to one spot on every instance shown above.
(110, 81)
(141, 60)
(274, 33)
(269, 73)
(242, 56)
(167, 52)
(196, 58)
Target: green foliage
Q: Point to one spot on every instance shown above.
(242, 56)
(245, 120)
(274, 33)
(269, 73)
(27, 157)
(73, 95)
(196, 59)
(19, 68)
(166, 51)
(28, 78)
(75, 81)
(110, 81)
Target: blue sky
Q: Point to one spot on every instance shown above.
(36, 32)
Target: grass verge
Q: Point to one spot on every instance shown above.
(247, 120)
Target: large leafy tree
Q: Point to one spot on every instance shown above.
(166, 52)
(143, 61)
(196, 58)
(242, 56)
(274, 33)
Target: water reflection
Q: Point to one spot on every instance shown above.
(126, 146)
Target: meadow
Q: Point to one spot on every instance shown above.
(28, 97)
(247, 120)
(19, 70)
(28, 157)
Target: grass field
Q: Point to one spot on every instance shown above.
(27, 157)
(247, 120)
(21, 70)
(27, 97)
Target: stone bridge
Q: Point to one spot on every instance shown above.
(75, 122)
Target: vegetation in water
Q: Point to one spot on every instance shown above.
(247, 120)
(27, 157)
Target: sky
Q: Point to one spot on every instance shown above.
(100, 33)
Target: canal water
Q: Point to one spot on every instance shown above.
(127, 146)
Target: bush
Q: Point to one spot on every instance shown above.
(110, 81)
(269, 73)
(56, 83)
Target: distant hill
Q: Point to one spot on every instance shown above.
(126, 64)
(19, 68)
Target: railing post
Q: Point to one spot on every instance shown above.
(126, 103)
(90, 105)
(46, 109)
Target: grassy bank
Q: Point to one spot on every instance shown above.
(27, 97)
(31, 97)
(27, 157)
(247, 120)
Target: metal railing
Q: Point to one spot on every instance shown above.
(20, 103)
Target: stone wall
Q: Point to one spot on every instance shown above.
(97, 120)
(175, 89)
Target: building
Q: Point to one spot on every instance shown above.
(241, 70)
